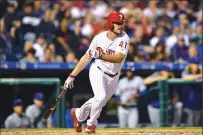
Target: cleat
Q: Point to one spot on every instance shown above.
(77, 124)
(90, 129)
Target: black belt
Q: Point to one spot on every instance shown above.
(111, 75)
(129, 106)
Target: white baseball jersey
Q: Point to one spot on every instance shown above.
(102, 84)
(128, 88)
(106, 46)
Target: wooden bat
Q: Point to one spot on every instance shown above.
(53, 105)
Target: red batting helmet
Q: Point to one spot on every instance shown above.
(115, 17)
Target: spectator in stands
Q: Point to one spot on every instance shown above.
(185, 28)
(154, 106)
(139, 38)
(30, 56)
(34, 112)
(151, 11)
(151, 57)
(71, 57)
(192, 98)
(84, 45)
(159, 37)
(172, 39)
(74, 36)
(87, 28)
(37, 8)
(28, 44)
(11, 16)
(68, 118)
(40, 46)
(5, 42)
(170, 9)
(163, 20)
(192, 52)
(131, 53)
(198, 33)
(180, 51)
(199, 52)
(29, 21)
(47, 55)
(61, 40)
(46, 27)
(98, 10)
(54, 12)
(100, 26)
(16, 35)
(17, 119)
(55, 58)
(160, 50)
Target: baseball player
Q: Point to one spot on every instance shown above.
(128, 92)
(17, 119)
(154, 106)
(109, 49)
(33, 111)
(192, 94)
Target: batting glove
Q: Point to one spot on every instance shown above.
(94, 54)
(69, 82)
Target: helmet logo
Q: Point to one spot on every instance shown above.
(121, 16)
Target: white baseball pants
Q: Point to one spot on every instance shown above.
(128, 117)
(103, 88)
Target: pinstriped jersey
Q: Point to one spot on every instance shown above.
(106, 46)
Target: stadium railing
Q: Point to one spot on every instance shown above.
(163, 86)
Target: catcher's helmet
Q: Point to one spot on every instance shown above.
(115, 17)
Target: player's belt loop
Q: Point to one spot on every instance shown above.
(111, 75)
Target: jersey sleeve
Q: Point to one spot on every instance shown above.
(29, 113)
(10, 122)
(92, 45)
(123, 45)
(142, 86)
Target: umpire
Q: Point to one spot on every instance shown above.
(17, 119)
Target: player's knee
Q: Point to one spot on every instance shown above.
(101, 102)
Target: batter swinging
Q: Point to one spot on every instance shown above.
(109, 49)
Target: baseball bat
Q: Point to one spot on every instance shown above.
(53, 105)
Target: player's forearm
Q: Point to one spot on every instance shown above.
(149, 81)
(116, 58)
(192, 77)
(84, 61)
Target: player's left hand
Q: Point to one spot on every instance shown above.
(94, 54)
(137, 96)
(69, 82)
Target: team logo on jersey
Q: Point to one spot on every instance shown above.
(110, 52)
(101, 51)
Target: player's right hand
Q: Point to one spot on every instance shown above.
(69, 82)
